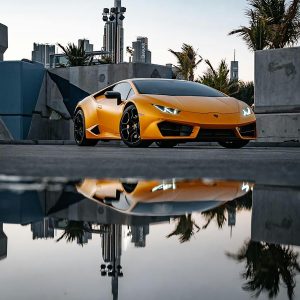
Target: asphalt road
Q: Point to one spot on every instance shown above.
(271, 166)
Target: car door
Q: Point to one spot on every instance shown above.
(109, 113)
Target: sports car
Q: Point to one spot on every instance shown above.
(162, 197)
(164, 111)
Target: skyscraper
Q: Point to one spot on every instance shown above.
(41, 53)
(234, 69)
(141, 53)
(109, 36)
(87, 47)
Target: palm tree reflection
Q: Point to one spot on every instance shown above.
(185, 228)
(219, 213)
(266, 266)
(75, 230)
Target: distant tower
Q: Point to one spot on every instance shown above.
(3, 40)
(234, 69)
(87, 47)
(109, 34)
(141, 53)
(41, 53)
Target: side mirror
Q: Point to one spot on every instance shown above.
(113, 95)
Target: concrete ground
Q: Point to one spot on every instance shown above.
(272, 166)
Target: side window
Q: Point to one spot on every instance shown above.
(131, 94)
(123, 88)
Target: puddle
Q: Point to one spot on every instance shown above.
(146, 239)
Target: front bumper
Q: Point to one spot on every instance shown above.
(198, 127)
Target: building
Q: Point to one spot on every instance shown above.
(3, 40)
(43, 229)
(234, 69)
(87, 47)
(138, 235)
(41, 53)
(141, 53)
(109, 36)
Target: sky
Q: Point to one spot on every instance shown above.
(167, 24)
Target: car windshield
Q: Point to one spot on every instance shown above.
(175, 88)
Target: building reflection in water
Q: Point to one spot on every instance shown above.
(116, 211)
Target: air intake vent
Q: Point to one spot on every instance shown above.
(173, 129)
(96, 130)
(248, 130)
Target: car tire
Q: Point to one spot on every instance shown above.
(233, 144)
(166, 144)
(79, 131)
(130, 129)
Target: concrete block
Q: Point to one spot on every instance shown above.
(277, 80)
(275, 215)
(45, 129)
(17, 125)
(20, 84)
(278, 127)
(5, 135)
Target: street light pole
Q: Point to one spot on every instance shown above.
(115, 14)
(116, 36)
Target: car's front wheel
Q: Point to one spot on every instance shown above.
(233, 144)
(79, 131)
(130, 128)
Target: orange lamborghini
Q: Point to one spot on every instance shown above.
(165, 197)
(165, 111)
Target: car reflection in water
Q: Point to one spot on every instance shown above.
(162, 198)
(81, 209)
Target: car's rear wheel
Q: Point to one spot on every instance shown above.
(130, 128)
(233, 144)
(166, 144)
(79, 131)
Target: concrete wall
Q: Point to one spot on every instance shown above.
(5, 134)
(3, 40)
(275, 215)
(20, 84)
(277, 94)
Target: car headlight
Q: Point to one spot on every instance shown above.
(246, 111)
(168, 110)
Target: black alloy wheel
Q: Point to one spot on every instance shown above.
(130, 128)
(79, 131)
(166, 144)
(233, 144)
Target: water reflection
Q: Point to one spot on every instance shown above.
(122, 211)
(267, 266)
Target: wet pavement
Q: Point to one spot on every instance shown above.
(173, 238)
(277, 166)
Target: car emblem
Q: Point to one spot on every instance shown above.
(216, 116)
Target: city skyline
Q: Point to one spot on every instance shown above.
(203, 25)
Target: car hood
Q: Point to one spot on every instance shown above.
(197, 104)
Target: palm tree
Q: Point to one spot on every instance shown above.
(185, 228)
(76, 55)
(245, 92)
(187, 61)
(266, 266)
(272, 24)
(219, 78)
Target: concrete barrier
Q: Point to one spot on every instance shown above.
(275, 215)
(4, 132)
(277, 94)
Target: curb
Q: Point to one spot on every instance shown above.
(118, 143)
